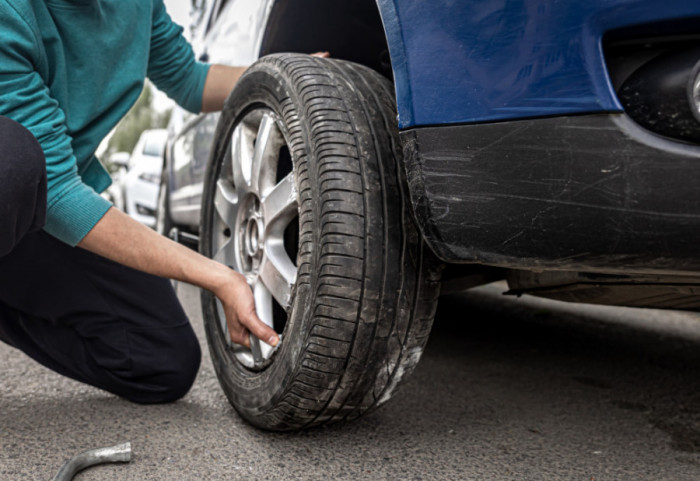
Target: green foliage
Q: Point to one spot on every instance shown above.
(163, 119)
(141, 117)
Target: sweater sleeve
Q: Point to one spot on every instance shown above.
(73, 208)
(171, 65)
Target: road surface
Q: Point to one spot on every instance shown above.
(508, 389)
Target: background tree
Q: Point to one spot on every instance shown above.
(141, 117)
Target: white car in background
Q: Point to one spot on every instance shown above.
(142, 180)
(114, 192)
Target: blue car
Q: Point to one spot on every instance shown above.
(445, 144)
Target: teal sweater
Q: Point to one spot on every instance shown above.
(69, 70)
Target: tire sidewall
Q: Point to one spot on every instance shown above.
(163, 212)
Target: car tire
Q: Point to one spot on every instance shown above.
(125, 203)
(356, 312)
(164, 223)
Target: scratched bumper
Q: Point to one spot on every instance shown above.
(588, 193)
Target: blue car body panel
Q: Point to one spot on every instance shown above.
(516, 149)
(486, 60)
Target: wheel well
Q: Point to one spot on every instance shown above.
(350, 30)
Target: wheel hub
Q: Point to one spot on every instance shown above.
(252, 234)
(253, 239)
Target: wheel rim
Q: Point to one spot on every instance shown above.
(255, 205)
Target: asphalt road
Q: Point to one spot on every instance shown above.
(508, 389)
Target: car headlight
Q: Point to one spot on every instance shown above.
(694, 91)
(663, 95)
(151, 177)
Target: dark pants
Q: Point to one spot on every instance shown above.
(75, 312)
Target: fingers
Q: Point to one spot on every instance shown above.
(241, 318)
(321, 54)
(259, 329)
(239, 335)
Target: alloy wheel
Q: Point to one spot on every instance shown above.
(256, 206)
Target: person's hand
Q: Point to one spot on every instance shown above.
(239, 306)
(122, 239)
(321, 54)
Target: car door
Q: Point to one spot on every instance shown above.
(228, 32)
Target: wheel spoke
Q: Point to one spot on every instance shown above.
(277, 272)
(226, 202)
(256, 350)
(280, 206)
(263, 303)
(241, 159)
(266, 155)
(226, 171)
(222, 321)
(263, 306)
(225, 255)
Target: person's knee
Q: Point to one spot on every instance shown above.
(22, 184)
(25, 160)
(186, 366)
(172, 367)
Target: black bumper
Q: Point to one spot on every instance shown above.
(585, 193)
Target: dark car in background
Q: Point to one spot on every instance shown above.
(444, 145)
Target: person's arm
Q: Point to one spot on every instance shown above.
(122, 239)
(118, 237)
(72, 206)
(220, 81)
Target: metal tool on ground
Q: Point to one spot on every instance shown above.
(120, 453)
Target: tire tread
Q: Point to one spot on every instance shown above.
(368, 320)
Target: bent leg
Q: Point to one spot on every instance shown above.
(96, 321)
(22, 184)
